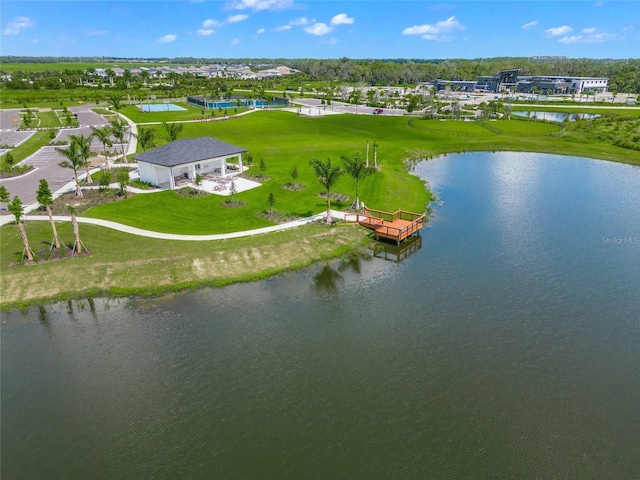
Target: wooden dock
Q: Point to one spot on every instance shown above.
(395, 226)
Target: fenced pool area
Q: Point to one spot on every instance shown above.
(160, 107)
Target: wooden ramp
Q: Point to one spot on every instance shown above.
(395, 226)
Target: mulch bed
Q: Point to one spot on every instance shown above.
(277, 216)
(294, 187)
(338, 197)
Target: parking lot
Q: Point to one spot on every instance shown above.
(47, 159)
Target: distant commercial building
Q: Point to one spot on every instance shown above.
(511, 80)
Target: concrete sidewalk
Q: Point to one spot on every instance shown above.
(173, 236)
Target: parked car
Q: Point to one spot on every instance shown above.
(378, 111)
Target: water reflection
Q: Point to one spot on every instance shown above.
(558, 116)
(327, 278)
(398, 253)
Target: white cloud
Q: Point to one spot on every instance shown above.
(299, 21)
(283, 28)
(529, 25)
(590, 37)
(589, 30)
(318, 28)
(341, 19)
(235, 41)
(438, 31)
(257, 5)
(18, 24)
(209, 23)
(237, 18)
(557, 31)
(170, 37)
(260, 31)
(205, 32)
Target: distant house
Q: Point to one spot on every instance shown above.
(176, 163)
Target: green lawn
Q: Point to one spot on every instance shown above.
(122, 264)
(283, 141)
(49, 120)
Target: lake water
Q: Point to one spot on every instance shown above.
(506, 345)
(558, 116)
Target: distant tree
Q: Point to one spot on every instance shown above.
(45, 199)
(173, 130)
(262, 166)
(115, 102)
(356, 169)
(15, 207)
(146, 137)
(327, 175)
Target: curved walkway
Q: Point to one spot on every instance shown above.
(174, 236)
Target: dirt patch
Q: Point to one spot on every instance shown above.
(233, 204)
(294, 187)
(90, 198)
(338, 197)
(277, 217)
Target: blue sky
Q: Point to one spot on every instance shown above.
(320, 29)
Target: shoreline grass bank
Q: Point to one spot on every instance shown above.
(126, 265)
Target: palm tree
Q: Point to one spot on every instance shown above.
(84, 150)
(119, 131)
(375, 154)
(110, 75)
(115, 101)
(73, 161)
(173, 130)
(104, 135)
(146, 136)
(77, 243)
(45, 199)
(144, 74)
(356, 169)
(15, 207)
(327, 175)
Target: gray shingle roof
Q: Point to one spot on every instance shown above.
(187, 150)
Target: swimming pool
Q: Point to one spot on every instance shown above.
(160, 107)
